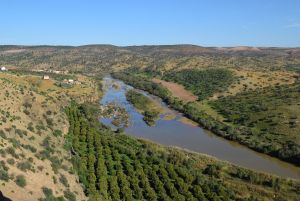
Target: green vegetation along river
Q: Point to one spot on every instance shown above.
(173, 132)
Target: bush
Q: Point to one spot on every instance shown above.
(11, 151)
(57, 133)
(49, 195)
(2, 134)
(47, 191)
(10, 161)
(63, 180)
(49, 122)
(27, 105)
(30, 127)
(20, 181)
(69, 195)
(24, 165)
(4, 175)
(26, 112)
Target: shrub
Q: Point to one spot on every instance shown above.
(30, 127)
(47, 191)
(49, 122)
(55, 163)
(24, 165)
(63, 180)
(57, 133)
(69, 195)
(4, 175)
(11, 151)
(26, 112)
(27, 105)
(29, 147)
(20, 181)
(10, 161)
(2, 134)
(31, 138)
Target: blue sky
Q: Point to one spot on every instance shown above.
(138, 22)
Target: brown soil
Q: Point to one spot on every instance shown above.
(177, 90)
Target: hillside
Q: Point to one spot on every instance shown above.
(32, 130)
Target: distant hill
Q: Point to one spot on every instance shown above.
(95, 58)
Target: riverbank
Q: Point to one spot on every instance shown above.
(173, 132)
(118, 166)
(239, 134)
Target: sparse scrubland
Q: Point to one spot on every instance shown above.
(99, 58)
(32, 130)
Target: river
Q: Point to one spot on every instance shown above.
(174, 132)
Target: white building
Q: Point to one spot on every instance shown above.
(46, 77)
(3, 68)
(71, 81)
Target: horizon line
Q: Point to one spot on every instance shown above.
(141, 45)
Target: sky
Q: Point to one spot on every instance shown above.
(218, 23)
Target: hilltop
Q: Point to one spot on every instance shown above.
(96, 58)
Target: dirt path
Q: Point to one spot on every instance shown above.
(177, 90)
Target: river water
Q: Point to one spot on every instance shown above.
(174, 132)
